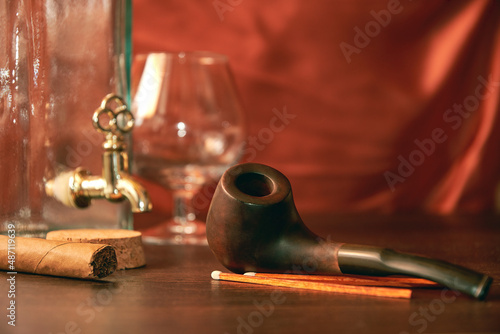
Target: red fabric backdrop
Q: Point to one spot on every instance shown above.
(384, 105)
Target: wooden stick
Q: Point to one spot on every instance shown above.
(405, 280)
(401, 282)
(345, 289)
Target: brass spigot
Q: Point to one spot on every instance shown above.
(77, 188)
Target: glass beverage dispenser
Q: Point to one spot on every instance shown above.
(58, 60)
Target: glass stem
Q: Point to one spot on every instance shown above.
(183, 207)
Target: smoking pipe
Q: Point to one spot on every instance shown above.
(253, 225)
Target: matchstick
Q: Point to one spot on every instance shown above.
(344, 289)
(401, 282)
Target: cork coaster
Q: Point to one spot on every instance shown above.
(127, 244)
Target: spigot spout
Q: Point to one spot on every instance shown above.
(77, 188)
(135, 193)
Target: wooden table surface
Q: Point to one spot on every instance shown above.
(175, 294)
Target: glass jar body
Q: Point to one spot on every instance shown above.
(57, 61)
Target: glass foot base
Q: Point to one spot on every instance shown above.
(173, 233)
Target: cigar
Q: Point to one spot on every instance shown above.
(56, 258)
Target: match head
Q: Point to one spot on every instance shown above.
(216, 274)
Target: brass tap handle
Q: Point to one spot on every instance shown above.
(113, 117)
(78, 187)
